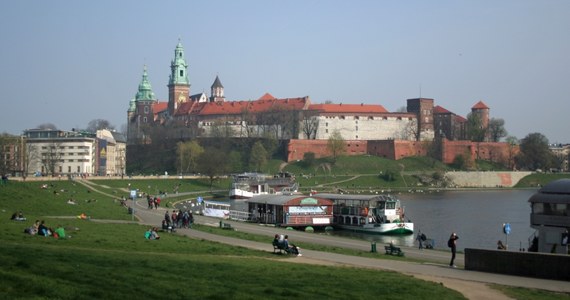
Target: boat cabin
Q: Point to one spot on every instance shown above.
(291, 210)
(364, 209)
(550, 216)
(216, 209)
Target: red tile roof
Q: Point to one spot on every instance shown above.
(480, 105)
(348, 108)
(159, 106)
(266, 103)
(440, 110)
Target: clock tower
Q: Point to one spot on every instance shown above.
(178, 83)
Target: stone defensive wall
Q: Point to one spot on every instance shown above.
(485, 179)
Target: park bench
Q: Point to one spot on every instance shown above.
(280, 247)
(392, 250)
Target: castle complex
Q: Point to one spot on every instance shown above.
(186, 116)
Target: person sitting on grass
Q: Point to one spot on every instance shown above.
(18, 216)
(59, 232)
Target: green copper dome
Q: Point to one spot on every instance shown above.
(132, 106)
(179, 67)
(145, 90)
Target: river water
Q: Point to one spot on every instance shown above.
(476, 216)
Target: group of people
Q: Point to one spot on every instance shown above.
(18, 216)
(153, 202)
(177, 219)
(40, 228)
(283, 243)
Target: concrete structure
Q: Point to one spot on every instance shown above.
(72, 153)
(537, 265)
(550, 216)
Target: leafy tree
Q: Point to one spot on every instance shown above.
(475, 130)
(534, 152)
(188, 154)
(213, 162)
(497, 129)
(336, 145)
(258, 156)
(235, 161)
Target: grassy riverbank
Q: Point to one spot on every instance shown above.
(112, 260)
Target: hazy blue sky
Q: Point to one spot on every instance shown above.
(68, 62)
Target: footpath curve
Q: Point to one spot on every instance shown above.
(472, 284)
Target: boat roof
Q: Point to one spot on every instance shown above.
(380, 197)
(557, 191)
(282, 199)
(216, 203)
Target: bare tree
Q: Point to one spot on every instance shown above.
(31, 157)
(309, 124)
(47, 126)
(52, 157)
(98, 124)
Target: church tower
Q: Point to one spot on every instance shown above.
(178, 84)
(481, 110)
(140, 111)
(217, 91)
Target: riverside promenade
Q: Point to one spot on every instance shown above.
(433, 265)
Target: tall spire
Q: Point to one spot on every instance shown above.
(217, 91)
(145, 89)
(179, 67)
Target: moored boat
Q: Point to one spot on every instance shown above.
(248, 185)
(377, 214)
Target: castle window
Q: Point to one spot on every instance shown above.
(356, 117)
(144, 120)
(384, 118)
(370, 118)
(146, 109)
(356, 128)
(181, 73)
(326, 131)
(399, 118)
(78, 169)
(342, 117)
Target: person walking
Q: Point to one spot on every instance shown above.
(452, 243)
(420, 238)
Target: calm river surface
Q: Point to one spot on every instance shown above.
(476, 216)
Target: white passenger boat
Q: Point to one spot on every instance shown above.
(248, 185)
(378, 214)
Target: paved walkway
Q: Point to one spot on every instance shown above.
(472, 284)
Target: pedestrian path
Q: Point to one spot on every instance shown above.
(436, 269)
(434, 265)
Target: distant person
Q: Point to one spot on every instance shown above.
(421, 238)
(501, 246)
(452, 243)
(43, 229)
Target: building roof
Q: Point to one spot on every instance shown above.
(217, 83)
(348, 108)
(440, 110)
(157, 107)
(266, 103)
(480, 105)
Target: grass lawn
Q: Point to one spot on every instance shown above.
(112, 260)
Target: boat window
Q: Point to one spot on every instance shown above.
(381, 205)
(390, 205)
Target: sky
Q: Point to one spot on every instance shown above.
(70, 62)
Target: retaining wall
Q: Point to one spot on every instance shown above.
(529, 264)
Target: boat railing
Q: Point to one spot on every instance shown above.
(239, 215)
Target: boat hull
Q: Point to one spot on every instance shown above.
(385, 228)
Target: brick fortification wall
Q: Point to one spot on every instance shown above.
(538, 265)
(398, 149)
(496, 152)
